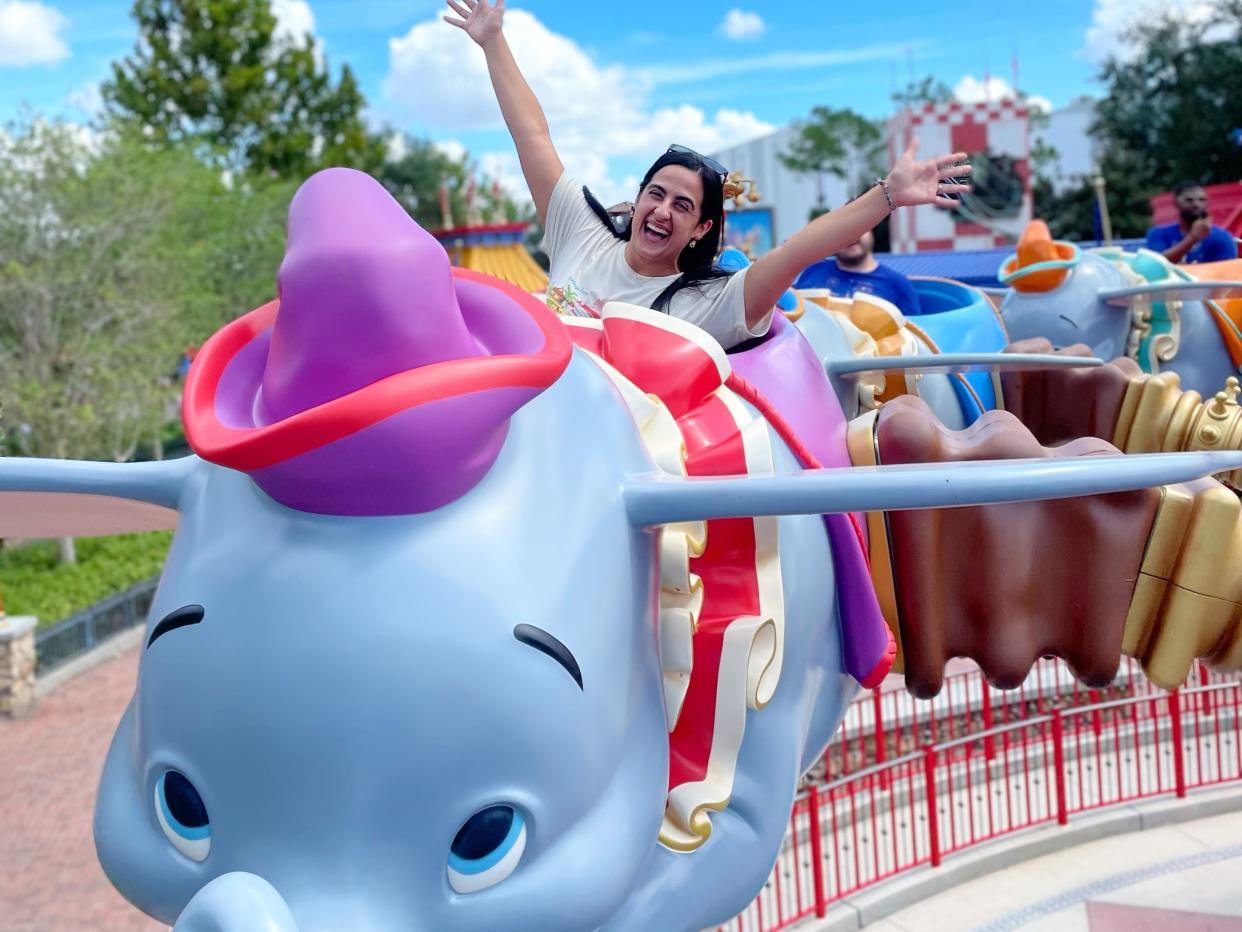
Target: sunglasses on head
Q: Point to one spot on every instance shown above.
(708, 163)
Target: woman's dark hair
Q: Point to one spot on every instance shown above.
(698, 262)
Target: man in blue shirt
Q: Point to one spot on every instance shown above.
(853, 269)
(1193, 238)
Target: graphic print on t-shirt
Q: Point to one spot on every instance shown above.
(572, 299)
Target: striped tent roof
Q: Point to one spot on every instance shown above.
(496, 249)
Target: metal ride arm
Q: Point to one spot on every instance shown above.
(656, 500)
(958, 362)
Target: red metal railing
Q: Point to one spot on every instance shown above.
(1061, 758)
(889, 722)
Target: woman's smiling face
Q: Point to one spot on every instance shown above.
(666, 218)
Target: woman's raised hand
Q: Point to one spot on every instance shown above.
(478, 18)
(931, 181)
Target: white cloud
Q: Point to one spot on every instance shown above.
(971, 90)
(86, 99)
(697, 71)
(503, 167)
(294, 20)
(440, 76)
(741, 25)
(395, 147)
(30, 34)
(595, 112)
(1112, 18)
(452, 148)
(690, 126)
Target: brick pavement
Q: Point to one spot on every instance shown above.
(50, 764)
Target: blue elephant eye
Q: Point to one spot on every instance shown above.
(486, 849)
(182, 816)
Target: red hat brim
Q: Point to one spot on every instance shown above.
(254, 447)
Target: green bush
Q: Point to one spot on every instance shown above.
(32, 582)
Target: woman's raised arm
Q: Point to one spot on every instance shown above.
(523, 116)
(909, 183)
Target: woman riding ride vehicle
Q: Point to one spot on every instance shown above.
(665, 259)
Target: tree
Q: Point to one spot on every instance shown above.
(833, 142)
(422, 171)
(1070, 212)
(77, 296)
(997, 189)
(212, 72)
(415, 180)
(1168, 109)
(115, 258)
(927, 90)
(234, 238)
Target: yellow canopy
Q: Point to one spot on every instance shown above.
(510, 262)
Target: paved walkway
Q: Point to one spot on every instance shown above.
(1180, 877)
(50, 764)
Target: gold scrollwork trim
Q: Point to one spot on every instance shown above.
(1158, 417)
(860, 441)
(1187, 601)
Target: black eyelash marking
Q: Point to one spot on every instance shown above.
(547, 644)
(177, 618)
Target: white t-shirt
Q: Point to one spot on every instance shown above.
(588, 268)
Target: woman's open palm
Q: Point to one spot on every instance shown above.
(479, 19)
(931, 181)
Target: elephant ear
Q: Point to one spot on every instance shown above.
(855, 368)
(70, 498)
(652, 501)
(1171, 291)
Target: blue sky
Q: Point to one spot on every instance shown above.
(619, 80)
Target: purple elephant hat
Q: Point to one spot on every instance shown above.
(381, 380)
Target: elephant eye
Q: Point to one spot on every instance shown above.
(182, 816)
(486, 849)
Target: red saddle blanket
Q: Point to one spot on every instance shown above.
(723, 623)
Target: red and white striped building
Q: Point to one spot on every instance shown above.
(999, 127)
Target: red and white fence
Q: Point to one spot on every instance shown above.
(987, 764)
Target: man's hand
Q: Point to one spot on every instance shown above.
(1198, 232)
(480, 20)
